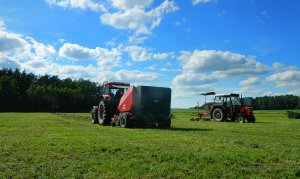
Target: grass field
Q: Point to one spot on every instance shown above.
(68, 145)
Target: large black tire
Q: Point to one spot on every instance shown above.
(104, 113)
(251, 119)
(95, 115)
(218, 115)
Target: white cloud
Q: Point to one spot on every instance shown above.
(250, 82)
(221, 63)
(41, 50)
(9, 62)
(129, 4)
(295, 92)
(286, 79)
(163, 56)
(132, 15)
(77, 52)
(279, 67)
(218, 64)
(140, 54)
(195, 2)
(13, 45)
(80, 4)
(137, 40)
(136, 76)
(105, 58)
(188, 84)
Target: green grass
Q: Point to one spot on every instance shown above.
(68, 145)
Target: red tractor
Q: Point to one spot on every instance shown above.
(129, 106)
(229, 107)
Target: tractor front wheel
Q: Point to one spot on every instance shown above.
(95, 115)
(218, 115)
(104, 113)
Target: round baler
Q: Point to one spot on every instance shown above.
(138, 106)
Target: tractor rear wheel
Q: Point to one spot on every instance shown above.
(104, 113)
(95, 115)
(251, 119)
(218, 115)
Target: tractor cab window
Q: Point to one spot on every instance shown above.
(219, 99)
(227, 101)
(113, 91)
(105, 89)
(236, 101)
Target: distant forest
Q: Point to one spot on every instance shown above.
(26, 92)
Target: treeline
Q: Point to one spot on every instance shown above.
(277, 102)
(24, 92)
(283, 102)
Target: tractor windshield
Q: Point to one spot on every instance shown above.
(236, 101)
(115, 89)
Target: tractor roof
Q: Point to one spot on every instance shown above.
(116, 83)
(208, 93)
(228, 95)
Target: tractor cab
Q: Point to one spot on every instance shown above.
(228, 101)
(114, 90)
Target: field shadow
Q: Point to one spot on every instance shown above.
(265, 122)
(186, 129)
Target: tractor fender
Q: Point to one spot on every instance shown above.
(105, 97)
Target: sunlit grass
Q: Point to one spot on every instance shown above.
(68, 145)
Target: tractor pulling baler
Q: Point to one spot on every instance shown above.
(227, 107)
(132, 106)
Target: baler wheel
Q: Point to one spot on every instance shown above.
(126, 122)
(166, 124)
(104, 113)
(218, 115)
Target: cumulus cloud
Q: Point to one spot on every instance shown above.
(25, 53)
(250, 82)
(133, 15)
(105, 58)
(221, 63)
(129, 4)
(41, 50)
(188, 84)
(13, 45)
(279, 67)
(286, 79)
(195, 2)
(140, 54)
(136, 76)
(217, 64)
(80, 4)
(137, 40)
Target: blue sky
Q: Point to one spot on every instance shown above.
(246, 46)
